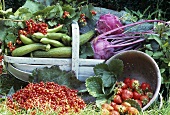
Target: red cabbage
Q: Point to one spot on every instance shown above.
(108, 22)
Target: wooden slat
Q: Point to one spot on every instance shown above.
(75, 48)
(50, 61)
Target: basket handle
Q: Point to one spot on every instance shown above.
(75, 47)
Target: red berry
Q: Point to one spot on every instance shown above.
(117, 99)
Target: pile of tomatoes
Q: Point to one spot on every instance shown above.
(125, 90)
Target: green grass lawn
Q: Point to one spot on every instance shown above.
(154, 109)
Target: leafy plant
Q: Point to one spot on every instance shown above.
(55, 74)
(101, 85)
(158, 47)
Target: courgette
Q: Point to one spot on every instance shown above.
(55, 43)
(60, 52)
(84, 38)
(23, 50)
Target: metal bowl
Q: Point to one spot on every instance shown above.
(141, 66)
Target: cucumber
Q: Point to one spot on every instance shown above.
(55, 36)
(39, 35)
(66, 40)
(56, 29)
(84, 38)
(25, 39)
(55, 43)
(60, 52)
(23, 50)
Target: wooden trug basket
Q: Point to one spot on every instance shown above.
(21, 67)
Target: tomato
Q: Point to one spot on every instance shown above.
(127, 81)
(126, 104)
(145, 86)
(124, 86)
(114, 113)
(134, 84)
(113, 104)
(121, 85)
(144, 99)
(107, 106)
(136, 95)
(139, 102)
(132, 111)
(117, 99)
(118, 91)
(127, 94)
(120, 108)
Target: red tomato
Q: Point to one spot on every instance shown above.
(136, 95)
(145, 86)
(117, 99)
(127, 94)
(124, 86)
(139, 102)
(114, 113)
(127, 80)
(132, 111)
(144, 99)
(134, 84)
(113, 104)
(118, 91)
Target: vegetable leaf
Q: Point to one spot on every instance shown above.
(116, 66)
(100, 68)
(108, 79)
(134, 104)
(94, 86)
(86, 51)
(33, 6)
(55, 74)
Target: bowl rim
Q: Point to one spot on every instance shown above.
(156, 94)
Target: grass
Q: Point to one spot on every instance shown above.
(89, 110)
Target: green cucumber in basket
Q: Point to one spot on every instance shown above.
(84, 38)
(54, 43)
(25, 39)
(55, 36)
(60, 52)
(23, 50)
(39, 35)
(56, 29)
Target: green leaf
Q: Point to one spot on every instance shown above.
(44, 11)
(94, 86)
(116, 66)
(100, 101)
(99, 68)
(11, 91)
(156, 38)
(3, 29)
(86, 51)
(10, 37)
(157, 55)
(134, 104)
(55, 74)
(109, 90)
(108, 78)
(150, 53)
(23, 13)
(33, 6)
